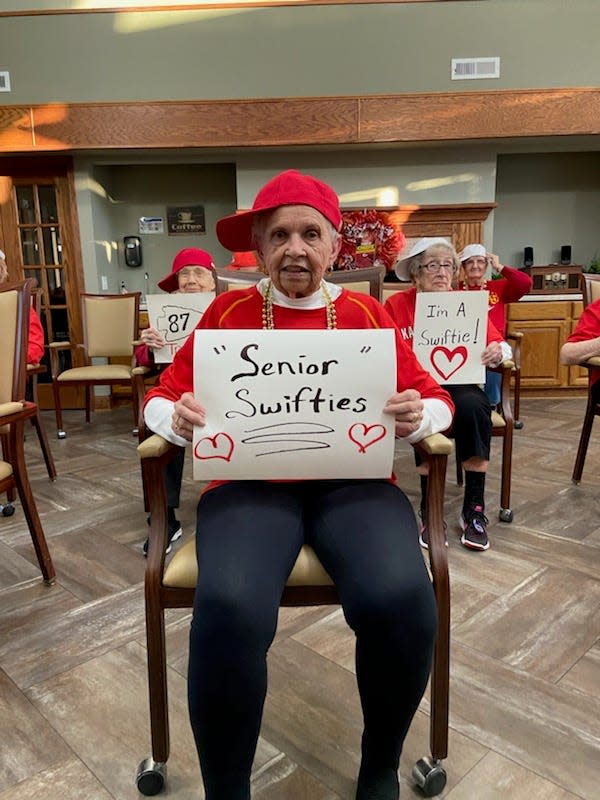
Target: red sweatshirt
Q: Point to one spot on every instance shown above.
(588, 327)
(242, 309)
(35, 343)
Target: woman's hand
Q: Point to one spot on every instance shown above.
(495, 264)
(152, 338)
(407, 407)
(187, 413)
(492, 355)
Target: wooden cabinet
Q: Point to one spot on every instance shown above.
(546, 326)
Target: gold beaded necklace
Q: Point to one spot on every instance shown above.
(267, 308)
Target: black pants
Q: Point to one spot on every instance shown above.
(248, 537)
(472, 425)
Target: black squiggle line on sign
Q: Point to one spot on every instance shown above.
(280, 433)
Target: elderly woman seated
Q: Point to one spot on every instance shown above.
(432, 264)
(249, 533)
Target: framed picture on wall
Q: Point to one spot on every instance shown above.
(185, 220)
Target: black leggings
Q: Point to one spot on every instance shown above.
(248, 537)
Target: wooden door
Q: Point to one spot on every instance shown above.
(40, 234)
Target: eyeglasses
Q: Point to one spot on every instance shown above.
(437, 266)
(199, 273)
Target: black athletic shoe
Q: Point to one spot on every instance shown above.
(474, 531)
(175, 532)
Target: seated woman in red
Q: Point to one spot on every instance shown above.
(250, 532)
(432, 265)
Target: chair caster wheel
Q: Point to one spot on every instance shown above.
(8, 510)
(518, 425)
(505, 515)
(61, 434)
(151, 777)
(430, 776)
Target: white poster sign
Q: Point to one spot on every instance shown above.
(450, 335)
(175, 316)
(292, 404)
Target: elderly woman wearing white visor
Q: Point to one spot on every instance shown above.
(432, 265)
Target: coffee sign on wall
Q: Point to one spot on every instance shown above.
(182, 220)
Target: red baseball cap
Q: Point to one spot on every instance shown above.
(289, 188)
(188, 257)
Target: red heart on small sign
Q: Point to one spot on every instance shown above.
(218, 446)
(365, 435)
(444, 361)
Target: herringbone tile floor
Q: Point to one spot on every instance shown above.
(525, 660)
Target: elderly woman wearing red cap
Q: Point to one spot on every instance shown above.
(364, 531)
(432, 265)
(477, 268)
(192, 272)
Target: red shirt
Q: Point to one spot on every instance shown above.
(587, 328)
(508, 289)
(35, 343)
(242, 309)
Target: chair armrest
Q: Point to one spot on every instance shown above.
(14, 407)
(436, 449)
(16, 411)
(515, 335)
(154, 447)
(435, 444)
(590, 363)
(60, 345)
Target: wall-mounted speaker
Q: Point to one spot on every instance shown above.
(528, 256)
(565, 254)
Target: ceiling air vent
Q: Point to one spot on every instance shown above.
(4, 81)
(468, 69)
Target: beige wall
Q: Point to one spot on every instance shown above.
(292, 52)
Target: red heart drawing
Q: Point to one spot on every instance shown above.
(218, 446)
(365, 435)
(442, 358)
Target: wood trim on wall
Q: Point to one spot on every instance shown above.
(357, 120)
(167, 6)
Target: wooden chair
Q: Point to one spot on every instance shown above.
(514, 339)
(502, 426)
(173, 585)
(33, 370)
(590, 288)
(366, 281)
(236, 279)
(110, 328)
(15, 301)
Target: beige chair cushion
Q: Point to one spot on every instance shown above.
(595, 290)
(182, 570)
(5, 470)
(104, 372)
(498, 420)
